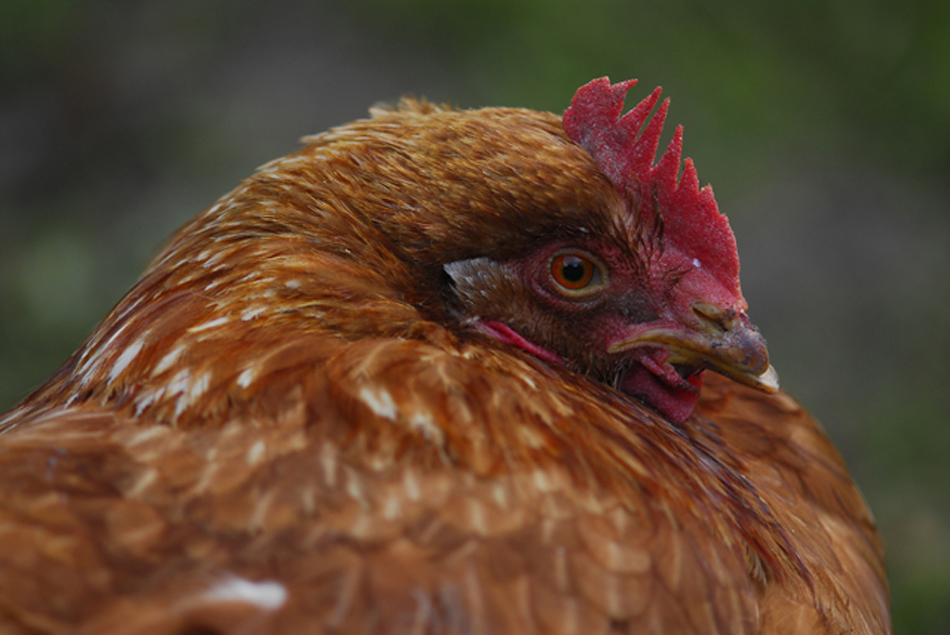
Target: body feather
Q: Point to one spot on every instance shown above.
(286, 426)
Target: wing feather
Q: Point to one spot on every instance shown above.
(422, 518)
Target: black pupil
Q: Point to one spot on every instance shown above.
(573, 270)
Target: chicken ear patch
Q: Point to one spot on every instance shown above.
(624, 148)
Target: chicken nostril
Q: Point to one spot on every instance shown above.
(714, 318)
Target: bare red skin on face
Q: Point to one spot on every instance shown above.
(698, 242)
(657, 384)
(645, 373)
(504, 333)
(650, 380)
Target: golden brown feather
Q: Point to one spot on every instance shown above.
(286, 427)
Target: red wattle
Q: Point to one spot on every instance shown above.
(657, 384)
(676, 404)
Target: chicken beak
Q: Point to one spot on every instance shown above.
(722, 341)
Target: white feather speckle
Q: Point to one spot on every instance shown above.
(215, 258)
(89, 362)
(411, 484)
(210, 324)
(201, 257)
(541, 481)
(179, 383)
(111, 339)
(188, 388)
(143, 402)
(256, 452)
(392, 507)
(125, 359)
(423, 422)
(328, 460)
(380, 402)
(268, 595)
(142, 482)
(697, 264)
(170, 358)
(199, 385)
(250, 314)
(246, 377)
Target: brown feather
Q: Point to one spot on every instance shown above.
(282, 428)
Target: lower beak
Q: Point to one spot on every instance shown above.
(731, 347)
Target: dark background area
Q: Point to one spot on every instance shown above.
(824, 126)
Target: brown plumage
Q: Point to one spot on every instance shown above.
(343, 400)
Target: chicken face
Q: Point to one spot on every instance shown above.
(592, 306)
(646, 309)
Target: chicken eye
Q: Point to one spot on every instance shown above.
(576, 274)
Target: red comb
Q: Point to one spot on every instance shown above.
(624, 150)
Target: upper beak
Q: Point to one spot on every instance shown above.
(722, 341)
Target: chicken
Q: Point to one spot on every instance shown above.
(439, 371)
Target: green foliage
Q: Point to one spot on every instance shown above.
(873, 75)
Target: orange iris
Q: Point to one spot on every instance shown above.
(572, 272)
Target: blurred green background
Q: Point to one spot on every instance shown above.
(824, 125)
